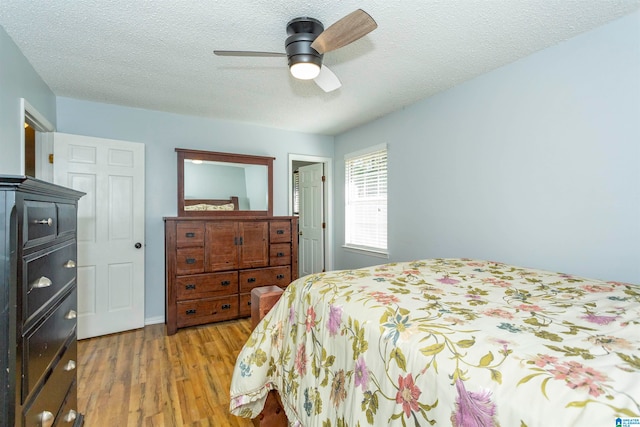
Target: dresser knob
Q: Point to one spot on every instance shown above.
(70, 264)
(70, 366)
(71, 315)
(46, 419)
(42, 282)
(71, 416)
(47, 221)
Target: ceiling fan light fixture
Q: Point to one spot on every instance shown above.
(304, 70)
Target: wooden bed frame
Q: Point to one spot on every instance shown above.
(262, 300)
(215, 202)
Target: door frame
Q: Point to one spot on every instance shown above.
(327, 196)
(44, 141)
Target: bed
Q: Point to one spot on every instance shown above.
(446, 342)
(230, 204)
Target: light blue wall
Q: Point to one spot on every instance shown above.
(535, 164)
(18, 80)
(162, 133)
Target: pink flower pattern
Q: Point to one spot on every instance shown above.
(408, 394)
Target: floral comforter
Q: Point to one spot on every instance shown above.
(446, 342)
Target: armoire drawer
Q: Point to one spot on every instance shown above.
(67, 219)
(206, 285)
(51, 398)
(46, 274)
(69, 413)
(40, 222)
(196, 312)
(279, 276)
(189, 261)
(42, 345)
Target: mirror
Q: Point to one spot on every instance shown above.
(224, 184)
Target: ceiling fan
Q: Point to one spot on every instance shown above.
(308, 41)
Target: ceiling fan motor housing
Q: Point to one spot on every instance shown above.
(302, 32)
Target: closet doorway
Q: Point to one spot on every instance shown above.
(309, 195)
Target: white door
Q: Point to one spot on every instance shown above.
(110, 229)
(311, 242)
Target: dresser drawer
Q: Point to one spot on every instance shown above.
(280, 254)
(207, 310)
(53, 394)
(46, 275)
(279, 276)
(206, 285)
(40, 222)
(43, 343)
(245, 305)
(190, 260)
(279, 231)
(189, 234)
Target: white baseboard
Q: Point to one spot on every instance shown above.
(153, 320)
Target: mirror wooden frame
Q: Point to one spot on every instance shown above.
(186, 154)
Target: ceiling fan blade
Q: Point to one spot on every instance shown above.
(346, 30)
(327, 80)
(246, 53)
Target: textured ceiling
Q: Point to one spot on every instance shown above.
(158, 54)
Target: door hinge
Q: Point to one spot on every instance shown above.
(324, 178)
(51, 158)
(324, 225)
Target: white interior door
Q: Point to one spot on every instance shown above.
(110, 229)
(311, 242)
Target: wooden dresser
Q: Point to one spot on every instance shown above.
(213, 264)
(38, 303)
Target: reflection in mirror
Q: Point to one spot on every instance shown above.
(223, 184)
(221, 180)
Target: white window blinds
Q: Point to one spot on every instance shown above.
(366, 200)
(296, 193)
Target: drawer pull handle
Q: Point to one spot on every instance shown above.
(42, 282)
(280, 254)
(251, 279)
(71, 315)
(190, 286)
(191, 311)
(71, 416)
(47, 221)
(190, 260)
(280, 276)
(226, 306)
(190, 235)
(46, 418)
(70, 264)
(279, 231)
(70, 366)
(225, 283)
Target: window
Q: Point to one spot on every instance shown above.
(296, 193)
(366, 200)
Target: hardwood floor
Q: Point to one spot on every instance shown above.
(145, 378)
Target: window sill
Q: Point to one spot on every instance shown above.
(364, 251)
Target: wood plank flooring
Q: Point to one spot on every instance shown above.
(145, 378)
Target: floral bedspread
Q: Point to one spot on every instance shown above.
(446, 342)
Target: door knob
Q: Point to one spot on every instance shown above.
(138, 245)
(300, 233)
